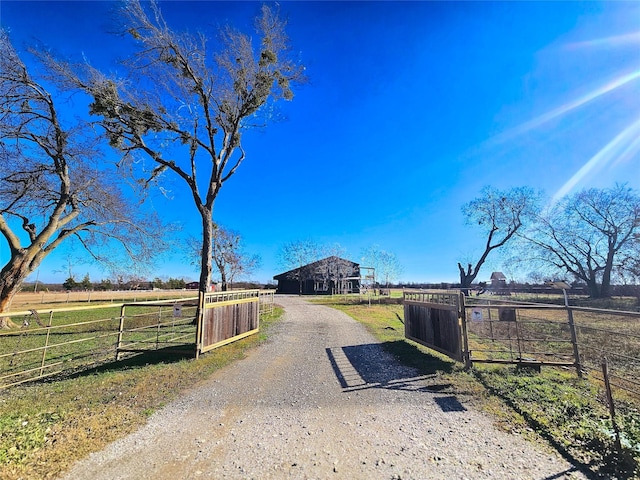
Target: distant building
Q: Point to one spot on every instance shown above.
(499, 284)
(328, 276)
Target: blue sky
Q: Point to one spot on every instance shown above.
(411, 108)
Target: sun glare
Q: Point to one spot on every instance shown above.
(567, 107)
(624, 146)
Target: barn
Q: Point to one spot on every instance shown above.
(331, 275)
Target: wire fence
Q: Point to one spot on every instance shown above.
(49, 342)
(57, 341)
(584, 338)
(45, 297)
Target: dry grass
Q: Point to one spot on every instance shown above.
(52, 300)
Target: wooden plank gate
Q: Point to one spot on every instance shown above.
(435, 319)
(227, 317)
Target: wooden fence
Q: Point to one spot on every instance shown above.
(432, 318)
(227, 317)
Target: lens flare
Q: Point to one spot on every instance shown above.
(567, 107)
(623, 147)
(614, 41)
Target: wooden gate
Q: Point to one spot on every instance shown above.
(434, 318)
(227, 317)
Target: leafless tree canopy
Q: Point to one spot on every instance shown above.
(499, 214)
(54, 184)
(385, 264)
(589, 236)
(298, 253)
(184, 108)
(229, 256)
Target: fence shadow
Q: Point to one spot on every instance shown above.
(152, 357)
(540, 429)
(363, 367)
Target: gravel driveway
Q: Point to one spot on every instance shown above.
(320, 400)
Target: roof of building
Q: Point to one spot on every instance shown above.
(498, 276)
(314, 267)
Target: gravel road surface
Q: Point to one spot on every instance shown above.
(320, 400)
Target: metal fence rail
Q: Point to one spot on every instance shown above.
(77, 338)
(557, 335)
(533, 334)
(267, 301)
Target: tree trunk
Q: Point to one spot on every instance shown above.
(605, 286)
(223, 280)
(466, 278)
(205, 259)
(11, 277)
(594, 289)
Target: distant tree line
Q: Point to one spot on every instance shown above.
(120, 284)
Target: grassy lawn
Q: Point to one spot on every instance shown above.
(46, 426)
(554, 404)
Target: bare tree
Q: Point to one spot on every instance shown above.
(589, 235)
(228, 255)
(336, 272)
(238, 264)
(500, 214)
(298, 254)
(334, 275)
(390, 267)
(386, 265)
(371, 259)
(54, 185)
(184, 108)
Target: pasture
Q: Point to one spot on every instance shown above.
(59, 299)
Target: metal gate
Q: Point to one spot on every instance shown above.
(506, 332)
(473, 330)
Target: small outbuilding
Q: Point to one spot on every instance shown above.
(499, 284)
(498, 280)
(331, 275)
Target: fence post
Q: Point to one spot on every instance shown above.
(158, 327)
(46, 342)
(120, 329)
(466, 356)
(612, 409)
(199, 321)
(574, 336)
